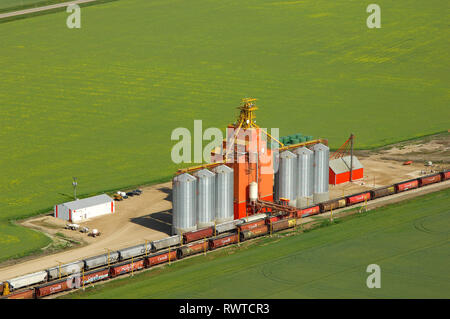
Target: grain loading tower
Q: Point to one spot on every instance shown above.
(249, 155)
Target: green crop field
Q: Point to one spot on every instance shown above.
(5, 4)
(100, 102)
(15, 5)
(408, 240)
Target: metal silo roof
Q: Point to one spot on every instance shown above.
(342, 165)
(356, 163)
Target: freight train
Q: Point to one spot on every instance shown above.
(102, 267)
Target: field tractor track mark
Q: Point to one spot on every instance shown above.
(362, 266)
(419, 224)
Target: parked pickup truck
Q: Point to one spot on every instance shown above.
(72, 226)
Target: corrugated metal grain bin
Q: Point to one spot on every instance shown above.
(184, 201)
(206, 203)
(224, 193)
(305, 176)
(287, 176)
(321, 172)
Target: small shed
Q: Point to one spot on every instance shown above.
(83, 209)
(340, 170)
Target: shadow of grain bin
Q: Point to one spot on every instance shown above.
(168, 191)
(160, 221)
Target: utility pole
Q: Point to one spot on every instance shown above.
(108, 255)
(351, 157)
(83, 278)
(74, 184)
(169, 255)
(59, 268)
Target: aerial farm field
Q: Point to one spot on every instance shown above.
(408, 240)
(100, 102)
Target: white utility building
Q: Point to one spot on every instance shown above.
(82, 209)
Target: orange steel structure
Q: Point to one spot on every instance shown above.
(245, 151)
(251, 162)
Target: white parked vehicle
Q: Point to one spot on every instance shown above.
(72, 226)
(94, 233)
(84, 229)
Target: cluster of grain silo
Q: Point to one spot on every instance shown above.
(202, 199)
(247, 172)
(302, 177)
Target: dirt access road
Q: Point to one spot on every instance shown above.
(136, 219)
(149, 216)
